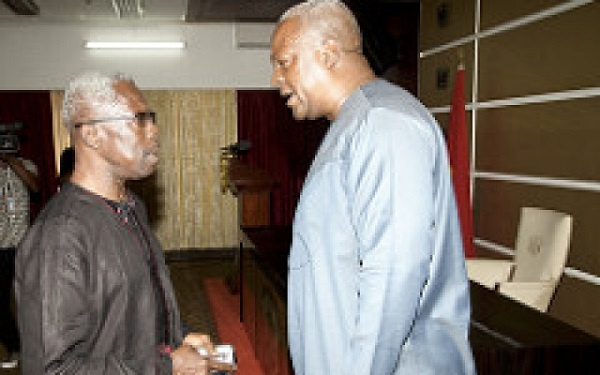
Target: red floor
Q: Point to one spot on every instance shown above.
(225, 308)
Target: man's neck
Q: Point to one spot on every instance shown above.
(360, 78)
(108, 188)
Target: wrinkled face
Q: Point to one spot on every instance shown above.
(130, 146)
(296, 71)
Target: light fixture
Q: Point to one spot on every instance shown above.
(135, 45)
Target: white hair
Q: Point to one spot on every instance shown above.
(330, 19)
(92, 90)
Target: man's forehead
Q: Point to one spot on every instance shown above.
(287, 33)
(131, 93)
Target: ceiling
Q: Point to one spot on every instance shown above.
(160, 10)
(94, 10)
(389, 27)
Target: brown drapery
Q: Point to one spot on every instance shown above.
(281, 146)
(32, 109)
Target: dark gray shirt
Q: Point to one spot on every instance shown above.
(87, 302)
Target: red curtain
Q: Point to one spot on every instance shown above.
(33, 110)
(458, 150)
(281, 146)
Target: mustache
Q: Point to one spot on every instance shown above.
(152, 150)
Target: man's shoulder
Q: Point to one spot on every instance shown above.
(381, 93)
(70, 202)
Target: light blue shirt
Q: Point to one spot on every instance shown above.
(377, 282)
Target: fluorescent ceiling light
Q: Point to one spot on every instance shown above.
(135, 45)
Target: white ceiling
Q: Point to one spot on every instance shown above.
(99, 10)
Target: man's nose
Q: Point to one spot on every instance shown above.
(152, 130)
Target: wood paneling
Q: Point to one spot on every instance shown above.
(508, 337)
(494, 12)
(432, 66)
(459, 21)
(556, 139)
(271, 336)
(572, 303)
(555, 54)
(496, 216)
(263, 305)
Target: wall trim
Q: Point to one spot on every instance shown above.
(569, 271)
(577, 274)
(474, 97)
(494, 246)
(588, 92)
(561, 183)
(534, 17)
(526, 20)
(447, 46)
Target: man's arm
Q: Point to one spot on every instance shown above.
(391, 211)
(54, 308)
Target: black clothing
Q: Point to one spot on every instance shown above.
(9, 335)
(126, 212)
(87, 302)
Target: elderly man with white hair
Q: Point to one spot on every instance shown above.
(93, 291)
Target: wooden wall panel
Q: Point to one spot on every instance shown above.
(556, 139)
(572, 303)
(430, 91)
(442, 119)
(459, 21)
(496, 216)
(271, 336)
(485, 253)
(553, 139)
(494, 12)
(555, 54)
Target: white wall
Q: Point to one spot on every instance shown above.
(41, 56)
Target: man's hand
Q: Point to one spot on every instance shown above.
(204, 347)
(199, 340)
(187, 361)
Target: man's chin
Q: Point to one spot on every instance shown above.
(301, 113)
(144, 170)
(298, 114)
(141, 174)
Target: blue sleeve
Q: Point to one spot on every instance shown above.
(390, 187)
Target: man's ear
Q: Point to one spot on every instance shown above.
(90, 137)
(330, 53)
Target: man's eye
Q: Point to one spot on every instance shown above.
(283, 63)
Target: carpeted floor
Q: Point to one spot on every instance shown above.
(226, 309)
(188, 280)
